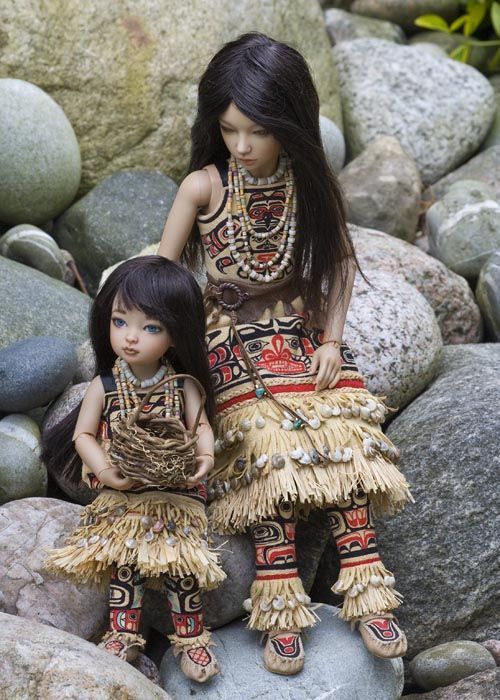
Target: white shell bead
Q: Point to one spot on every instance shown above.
(347, 455)
(260, 422)
(287, 424)
(336, 456)
(245, 425)
(278, 461)
(261, 461)
(315, 423)
(347, 413)
(218, 447)
(352, 592)
(326, 411)
(336, 411)
(279, 603)
(301, 597)
(375, 580)
(297, 454)
(371, 405)
(265, 606)
(389, 581)
(305, 459)
(239, 436)
(292, 604)
(247, 605)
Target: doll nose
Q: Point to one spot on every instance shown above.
(131, 337)
(243, 146)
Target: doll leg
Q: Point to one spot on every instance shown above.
(190, 640)
(368, 585)
(126, 592)
(278, 600)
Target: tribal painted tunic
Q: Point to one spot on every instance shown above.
(262, 457)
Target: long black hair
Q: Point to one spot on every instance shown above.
(164, 291)
(271, 84)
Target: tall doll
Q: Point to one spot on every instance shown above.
(147, 323)
(296, 427)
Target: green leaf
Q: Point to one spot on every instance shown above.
(461, 53)
(476, 16)
(434, 22)
(459, 22)
(495, 17)
(494, 63)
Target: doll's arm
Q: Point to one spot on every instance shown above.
(86, 444)
(195, 192)
(205, 444)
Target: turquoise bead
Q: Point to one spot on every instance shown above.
(298, 424)
(259, 392)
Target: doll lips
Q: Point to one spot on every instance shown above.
(130, 351)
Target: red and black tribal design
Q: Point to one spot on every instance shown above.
(353, 532)
(385, 630)
(126, 593)
(287, 646)
(185, 606)
(274, 542)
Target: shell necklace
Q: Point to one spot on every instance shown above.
(126, 384)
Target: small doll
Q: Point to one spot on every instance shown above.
(296, 427)
(146, 324)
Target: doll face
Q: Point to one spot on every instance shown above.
(139, 340)
(252, 145)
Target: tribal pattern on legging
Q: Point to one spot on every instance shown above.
(126, 592)
(274, 541)
(352, 530)
(185, 606)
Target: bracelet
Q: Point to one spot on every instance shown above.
(206, 454)
(335, 343)
(102, 470)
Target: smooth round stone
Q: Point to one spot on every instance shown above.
(345, 26)
(338, 666)
(333, 143)
(403, 12)
(39, 155)
(439, 110)
(464, 227)
(85, 370)
(30, 245)
(488, 294)
(493, 138)
(450, 662)
(482, 168)
(35, 371)
(22, 474)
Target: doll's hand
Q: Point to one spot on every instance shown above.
(112, 477)
(327, 362)
(205, 464)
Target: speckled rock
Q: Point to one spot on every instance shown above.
(445, 43)
(483, 168)
(35, 304)
(124, 213)
(464, 227)
(34, 371)
(450, 454)
(344, 26)
(382, 188)
(30, 245)
(21, 428)
(448, 663)
(42, 662)
(22, 474)
(439, 110)
(337, 667)
(480, 686)
(448, 294)
(394, 335)
(39, 154)
(333, 143)
(493, 137)
(137, 67)
(493, 646)
(403, 12)
(58, 410)
(488, 294)
(85, 370)
(27, 528)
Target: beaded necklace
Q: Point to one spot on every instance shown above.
(126, 389)
(269, 270)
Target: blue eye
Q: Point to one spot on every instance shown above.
(152, 328)
(118, 322)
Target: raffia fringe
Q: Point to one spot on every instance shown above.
(245, 497)
(181, 644)
(368, 588)
(295, 613)
(92, 551)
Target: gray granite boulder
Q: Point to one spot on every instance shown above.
(448, 294)
(464, 227)
(488, 294)
(403, 12)
(493, 137)
(382, 189)
(480, 686)
(35, 304)
(337, 666)
(30, 245)
(483, 168)
(34, 371)
(333, 143)
(115, 220)
(448, 663)
(344, 26)
(39, 153)
(440, 110)
(27, 528)
(394, 336)
(445, 43)
(493, 646)
(85, 370)
(126, 75)
(38, 661)
(22, 474)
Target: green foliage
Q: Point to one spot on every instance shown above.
(479, 26)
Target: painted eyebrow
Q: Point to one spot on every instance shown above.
(118, 310)
(223, 122)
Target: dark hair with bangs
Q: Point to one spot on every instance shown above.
(271, 84)
(163, 290)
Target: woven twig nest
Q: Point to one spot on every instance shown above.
(154, 450)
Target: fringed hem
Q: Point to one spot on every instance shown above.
(279, 604)
(181, 644)
(368, 588)
(262, 459)
(155, 533)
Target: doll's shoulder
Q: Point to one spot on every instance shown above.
(197, 187)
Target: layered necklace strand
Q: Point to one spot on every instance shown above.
(127, 383)
(269, 270)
